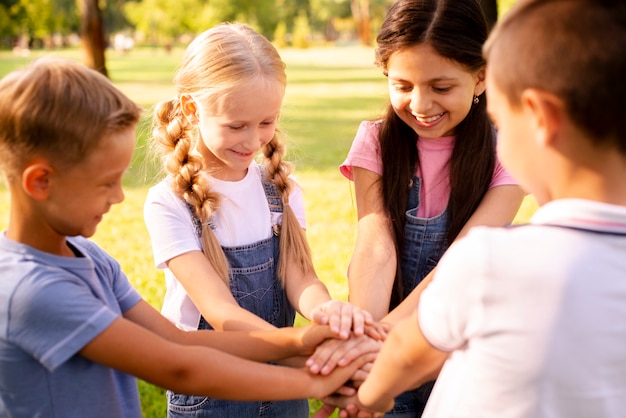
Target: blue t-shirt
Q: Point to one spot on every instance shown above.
(50, 308)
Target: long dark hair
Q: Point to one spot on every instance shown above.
(456, 29)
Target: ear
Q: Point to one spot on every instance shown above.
(37, 180)
(480, 86)
(546, 113)
(190, 110)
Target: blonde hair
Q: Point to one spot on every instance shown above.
(216, 63)
(59, 109)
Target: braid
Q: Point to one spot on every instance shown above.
(293, 242)
(189, 183)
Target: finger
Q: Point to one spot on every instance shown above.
(319, 316)
(359, 376)
(323, 353)
(345, 353)
(335, 320)
(363, 345)
(346, 391)
(325, 411)
(358, 321)
(346, 320)
(352, 410)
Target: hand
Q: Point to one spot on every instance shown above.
(336, 382)
(350, 407)
(325, 411)
(333, 353)
(342, 317)
(309, 337)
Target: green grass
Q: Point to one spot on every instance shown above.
(329, 92)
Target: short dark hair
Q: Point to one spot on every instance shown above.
(574, 49)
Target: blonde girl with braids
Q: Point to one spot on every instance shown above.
(75, 332)
(228, 231)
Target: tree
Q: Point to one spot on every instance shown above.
(362, 20)
(92, 36)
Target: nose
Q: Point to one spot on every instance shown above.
(256, 139)
(420, 102)
(118, 196)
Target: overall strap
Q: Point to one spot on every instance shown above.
(274, 201)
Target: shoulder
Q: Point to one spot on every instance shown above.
(365, 150)
(369, 130)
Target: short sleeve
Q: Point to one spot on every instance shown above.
(365, 150)
(451, 308)
(169, 222)
(54, 315)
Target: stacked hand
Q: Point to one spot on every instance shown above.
(358, 336)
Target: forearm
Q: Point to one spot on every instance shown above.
(372, 267)
(271, 345)
(305, 291)
(227, 316)
(409, 305)
(370, 282)
(405, 361)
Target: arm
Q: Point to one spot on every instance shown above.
(498, 207)
(405, 361)
(211, 295)
(142, 339)
(373, 264)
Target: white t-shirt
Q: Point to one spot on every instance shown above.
(535, 318)
(243, 218)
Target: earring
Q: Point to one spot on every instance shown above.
(476, 100)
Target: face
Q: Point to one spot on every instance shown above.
(430, 93)
(515, 146)
(247, 121)
(81, 195)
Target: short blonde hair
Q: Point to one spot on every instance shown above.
(60, 109)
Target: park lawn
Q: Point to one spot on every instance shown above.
(330, 90)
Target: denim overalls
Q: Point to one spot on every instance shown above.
(424, 244)
(255, 286)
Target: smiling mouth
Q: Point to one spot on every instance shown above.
(243, 154)
(428, 120)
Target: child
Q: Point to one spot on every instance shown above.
(74, 331)
(426, 173)
(531, 320)
(227, 230)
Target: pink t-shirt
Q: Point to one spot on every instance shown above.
(434, 156)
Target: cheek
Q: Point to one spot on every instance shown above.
(398, 100)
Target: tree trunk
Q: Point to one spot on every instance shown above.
(92, 36)
(490, 9)
(361, 14)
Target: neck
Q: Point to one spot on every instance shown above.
(600, 177)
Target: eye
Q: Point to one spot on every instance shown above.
(402, 88)
(442, 89)
(236, 127)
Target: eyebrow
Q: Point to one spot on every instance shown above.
(432, 80)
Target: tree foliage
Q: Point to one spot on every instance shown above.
(165, 21)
